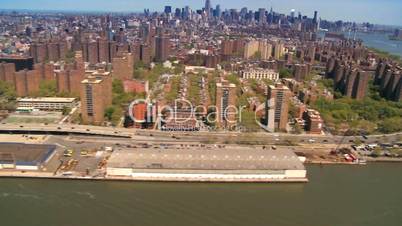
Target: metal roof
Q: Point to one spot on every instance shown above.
(236, 158)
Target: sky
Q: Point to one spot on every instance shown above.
(387, 12)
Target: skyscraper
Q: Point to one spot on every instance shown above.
(162, 48)
(278, 106)
(261, 16)
(315, 19)
(225, 103)
(168, 9)
(218, 11)
(96, 93)
(208, 7)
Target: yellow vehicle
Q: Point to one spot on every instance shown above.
(68, 153)
(84, 153)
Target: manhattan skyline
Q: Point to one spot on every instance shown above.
(377, 12)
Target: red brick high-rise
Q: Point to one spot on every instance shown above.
(69, 78)
(123, 66)
(95, 93)
(225, 104)
(162, 48)
(7, 71)
(103, 50)
(279, 96)
(26, 82)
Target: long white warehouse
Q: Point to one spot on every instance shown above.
(200, 165)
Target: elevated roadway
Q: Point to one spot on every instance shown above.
(206, 137)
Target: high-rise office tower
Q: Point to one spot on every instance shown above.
(208, 7)
(315, 19)
(218, 11)
(168, 9)
(261, 16)
(177, 13)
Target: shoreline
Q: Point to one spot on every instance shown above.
(26, 175)
(50, 176)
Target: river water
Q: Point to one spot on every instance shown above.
(335, 196)
(380, 41)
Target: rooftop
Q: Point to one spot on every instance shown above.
(235, 158)
(24, 153)
(47, 99)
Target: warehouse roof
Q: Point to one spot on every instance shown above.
(21, 153)
(201, 159)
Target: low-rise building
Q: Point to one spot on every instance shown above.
(231, 164)
(260, 73)
(314, 122)
(47, 103)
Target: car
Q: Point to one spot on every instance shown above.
(109, 149)
(84, 153)
(311, 140)
(68, 153)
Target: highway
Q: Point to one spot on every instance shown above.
(205, 137)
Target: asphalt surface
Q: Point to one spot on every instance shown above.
(206, 137)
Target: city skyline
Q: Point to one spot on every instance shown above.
(358, 11)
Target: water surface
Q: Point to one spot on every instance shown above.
(336, 196)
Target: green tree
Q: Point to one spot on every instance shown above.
(48, 88)
(7, 96)
(285, 73)
(293, 111)
(391, 125)
(248, 121)
(109, 112)
(232, 78)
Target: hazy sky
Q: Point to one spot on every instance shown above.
(374, 11)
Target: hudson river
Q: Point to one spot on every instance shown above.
(335, 196)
